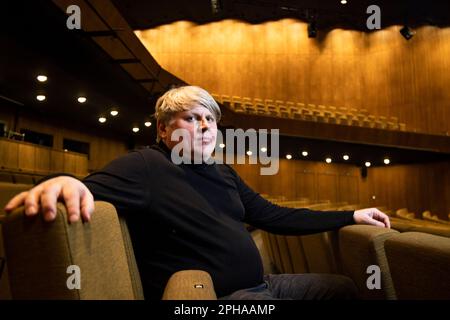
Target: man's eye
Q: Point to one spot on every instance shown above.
(210, 119)
(190, 119)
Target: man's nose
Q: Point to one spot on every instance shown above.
(204, 125)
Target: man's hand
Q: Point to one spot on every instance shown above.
(44, 197)
(372, 216)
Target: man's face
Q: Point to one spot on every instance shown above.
(201, 126)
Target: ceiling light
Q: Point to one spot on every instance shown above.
(102, 119)
(263, 149)
(41, 97)
(147, 123)
(386, 161)
(82, 99)
(344, 1)
(114, 112)
(289, 156)
(367, 164)
(345, 157)
(249, 153)
(222, 145)
(135, 129)
(328, 160)
(41, 78)
(305, 153)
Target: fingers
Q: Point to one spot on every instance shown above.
(71, 198)
(376, 223)
(49, 199)
(31, 202)
(16, 202)
(383, 217)
(87, 205)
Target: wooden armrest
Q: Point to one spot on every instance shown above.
(190, 285)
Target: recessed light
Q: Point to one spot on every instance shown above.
(289, 156)
(367, 164)
(222, 145)
(344, 1)
(249, 153)
(147, 123)
(386, 161)
(135, 129)
(345, 157)
(82, 99)
(305, 153)
(263, 149)
(102, 119)
(328, 160)
(41, 97)
(41, 78)
(114, 112)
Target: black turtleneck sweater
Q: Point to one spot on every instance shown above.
(192, 217)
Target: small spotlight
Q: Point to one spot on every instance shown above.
(263, 149)
(312, 29)
(82, 99)
(367, 164)
(41, 78)
(289, 156)
(114, 112)
(249, 153)
(102, 119)
(407, 32)
(328, 160)
(41, 97)
(222, 145)
(344, 1)
(386, 161)
(305, 153)
(345, 157)
(147, 124)
(135, 129)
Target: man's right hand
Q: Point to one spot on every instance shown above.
(44, 197)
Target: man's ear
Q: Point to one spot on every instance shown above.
(162, 129)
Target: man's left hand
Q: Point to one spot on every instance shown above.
(372, 216)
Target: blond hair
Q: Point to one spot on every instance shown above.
(183, 99)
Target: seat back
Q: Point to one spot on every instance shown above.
(362, 246)
(419, 265)
(39, 255)
(7, 191)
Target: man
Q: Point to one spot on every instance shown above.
(191, 216)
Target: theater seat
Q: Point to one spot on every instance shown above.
(39, 253)
(362, 246)
(419, 265)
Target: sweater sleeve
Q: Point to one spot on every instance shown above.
(124, 182)
(270, 217)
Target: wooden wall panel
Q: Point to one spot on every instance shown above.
(416, 187)
(9, 154)
(42, 163)
(378, 71)
(27, 157)
(57, 161)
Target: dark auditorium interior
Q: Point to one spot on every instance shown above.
(363, 113)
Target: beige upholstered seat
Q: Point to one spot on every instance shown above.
(419, 265)
(362, 246)
(38, 255)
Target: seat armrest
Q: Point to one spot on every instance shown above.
(190, 285)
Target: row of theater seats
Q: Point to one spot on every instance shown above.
(427, 216)
(410, 249)
(309, 112)
(19, 177)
